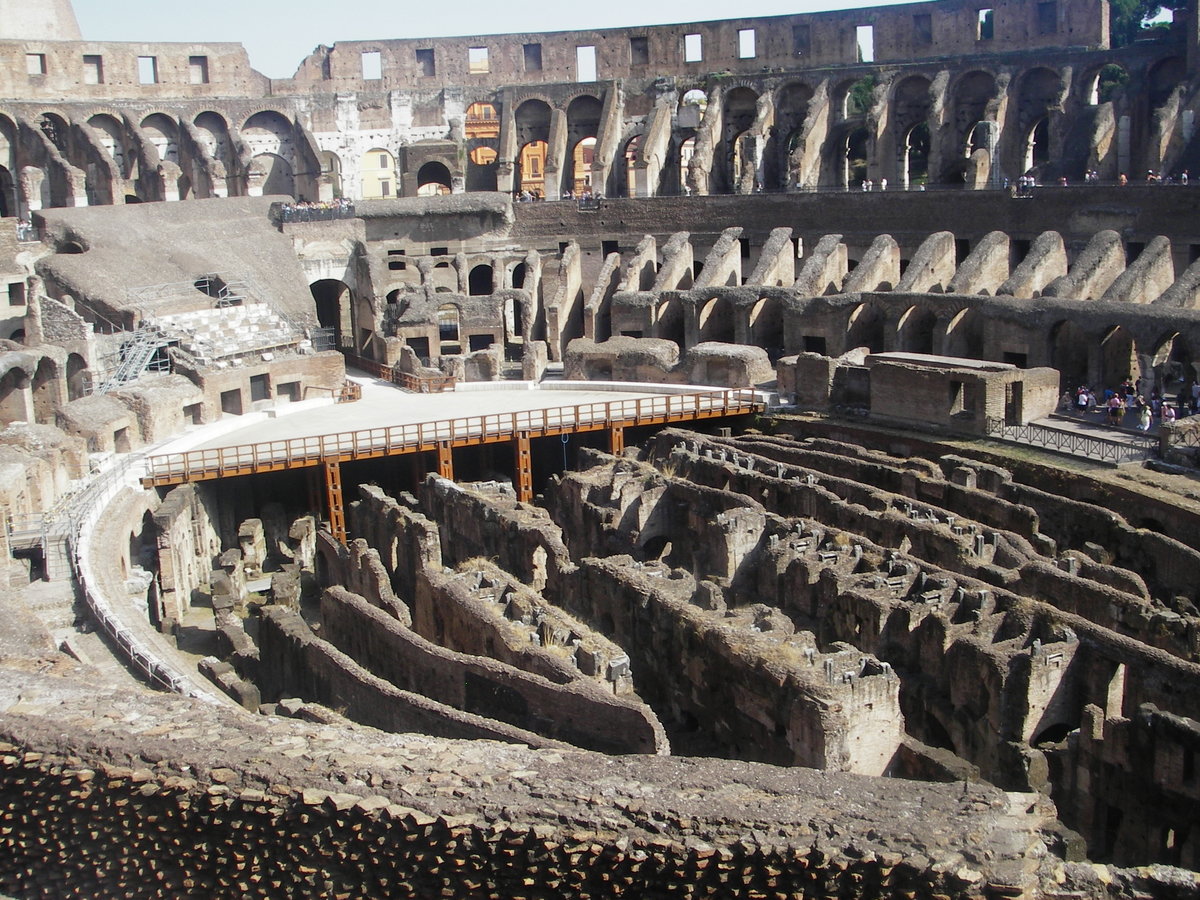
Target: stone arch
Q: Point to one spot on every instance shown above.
(378, 172)
(78, 377)
(532, 120)
(111, 134)
(1118, 356)
(766, 325)
(791, 111)
(163, 133)
(1102, 83)
(716, 321)
(47, 390)
(270, 137)
(912, 103)
(864, 328)
(687, 149)
(212, 135)
(669, 322)
(480, 280)
(582, 158)
(851, 97)
(433, 179)
(8, 194)
(331, 171)
(1037, 146)
(915, 331)
(1038, 96)
(583, 124)
(274, 173)
(1174, 364)
(1163, 77)
(335, 308)
(8, 165)
(740, 156)
(531, 167)
(855, 153)
(16, 399)
(57, 130)
(964, 335)
(972, 96)
(625, 180)
(915, 160)
(1068, 353)
(481, 131)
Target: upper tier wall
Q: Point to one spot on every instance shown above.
(48, 69)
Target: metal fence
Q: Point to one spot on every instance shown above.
(1130, 448)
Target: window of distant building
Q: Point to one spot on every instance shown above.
(639, 51)
(985, 24)
(197, 70)
(585, 63)
(533, 57)
(35, 63)
(93, 70)
(425, 63)
(372, 65)
(693, 48)
(746, 44)
(477, 60)
(147, 70)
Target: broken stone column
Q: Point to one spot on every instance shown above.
(253, 543)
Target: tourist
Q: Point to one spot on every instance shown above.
(1143, 414)
(1116, 411)
(1183, 177)
(1122, 180)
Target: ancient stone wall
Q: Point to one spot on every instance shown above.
(579, 713)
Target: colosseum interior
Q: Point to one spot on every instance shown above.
(641, 462)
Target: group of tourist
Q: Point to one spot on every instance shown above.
(26, 232)
(317, 211)
(527, 196)
(1116, 403)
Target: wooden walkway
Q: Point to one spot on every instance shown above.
(330, 450)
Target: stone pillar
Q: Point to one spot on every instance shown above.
(556, 154)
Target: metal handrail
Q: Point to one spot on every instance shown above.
(93, 496)
(1134, 447)
(172, 468)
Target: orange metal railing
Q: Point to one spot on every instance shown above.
(268, 456)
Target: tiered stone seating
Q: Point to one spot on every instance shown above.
(213, 335)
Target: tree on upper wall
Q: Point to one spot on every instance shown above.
(1131, 19)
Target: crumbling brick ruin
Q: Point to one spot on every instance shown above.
(861, 643)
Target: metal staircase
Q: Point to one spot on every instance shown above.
(137, 350)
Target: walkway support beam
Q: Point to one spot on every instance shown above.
(333, 497)
(524, 479)
(616, 440)
(445, 460)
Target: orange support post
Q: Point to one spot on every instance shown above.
(524, 468)
(445, 460)
(333, 495)
(616, 440)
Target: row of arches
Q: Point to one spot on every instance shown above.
(800, 133)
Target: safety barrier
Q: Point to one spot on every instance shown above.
(269, 456)
(1130, 448)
